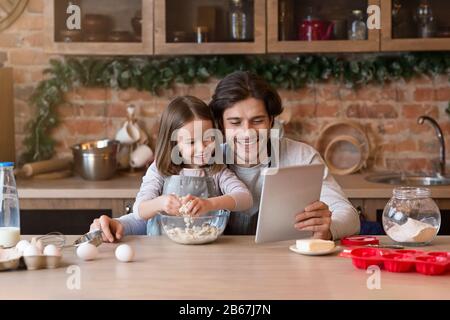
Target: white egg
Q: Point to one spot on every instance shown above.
(38, 244)
(22, 245)
(87, 251)
(52, 250)
(31, 250)
(124, 253)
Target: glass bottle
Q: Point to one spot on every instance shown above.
(411, 217)
(402, 21)
(238, 21)
(201, 34)
(426, 24)
(286, 20)
(357, 27)
(9, 207)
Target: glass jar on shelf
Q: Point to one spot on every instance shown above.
(239, 21)
(286, 20)
(424, 17)
(411, 217)
(357, 27)
(201, 34)
(9, 207)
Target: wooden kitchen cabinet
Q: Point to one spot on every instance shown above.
(69, 216)
(7, 140)
(400, 30)
(204, 27)
(108, 27)
(331, 19)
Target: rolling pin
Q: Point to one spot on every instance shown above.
(40, 167)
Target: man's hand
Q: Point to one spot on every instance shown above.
(316, 218)
(112, 230)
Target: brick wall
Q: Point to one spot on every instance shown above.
(387, 112)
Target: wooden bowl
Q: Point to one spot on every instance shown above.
(120, 36)
(96, 23)
(71, 35)
(95, 37)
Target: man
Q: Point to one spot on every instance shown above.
(245, 107)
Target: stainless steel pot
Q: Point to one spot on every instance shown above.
(96, 160)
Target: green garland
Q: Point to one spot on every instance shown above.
(153, 74)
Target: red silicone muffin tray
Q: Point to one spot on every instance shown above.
(429, 263)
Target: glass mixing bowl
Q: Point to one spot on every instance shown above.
(195, 230)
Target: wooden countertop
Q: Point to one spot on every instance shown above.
(234, 267)
(357, 187)
(126, 187)
(119, 187)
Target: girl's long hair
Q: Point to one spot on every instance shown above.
(178, 113)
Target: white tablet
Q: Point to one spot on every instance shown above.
(286, 192)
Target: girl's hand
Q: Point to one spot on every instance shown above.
(170, 204)
(197, 206)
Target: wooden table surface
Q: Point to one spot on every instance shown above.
(234, 267)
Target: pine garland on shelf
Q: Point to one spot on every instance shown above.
(154, 74)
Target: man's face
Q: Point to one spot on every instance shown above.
(247, 127)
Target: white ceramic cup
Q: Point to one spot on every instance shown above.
(128, 134)
(141, 156)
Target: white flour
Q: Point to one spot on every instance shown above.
(412, 231)
(191, 234)
(195, 235)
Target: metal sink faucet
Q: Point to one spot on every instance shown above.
(440, 137)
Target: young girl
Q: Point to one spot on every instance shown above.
(183, 173)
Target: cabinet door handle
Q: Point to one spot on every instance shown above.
(128, 208)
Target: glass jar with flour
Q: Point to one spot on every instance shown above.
(411, 217)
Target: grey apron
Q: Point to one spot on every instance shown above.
(182, 185)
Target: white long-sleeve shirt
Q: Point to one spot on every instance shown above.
(345, 220)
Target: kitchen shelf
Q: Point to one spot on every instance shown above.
(110, 15)
(168, 27)
(403, 37)
(296, 10)
(175, 32)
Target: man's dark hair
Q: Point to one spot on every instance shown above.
(241, 85)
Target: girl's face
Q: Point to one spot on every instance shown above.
(195, 142)
(247, 127)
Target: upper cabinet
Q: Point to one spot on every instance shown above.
(320, 26)
(415, 25)
(180, 27)
(108, 27)
(210, 26)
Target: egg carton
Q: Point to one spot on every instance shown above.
(18, 261)
(428, 263)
